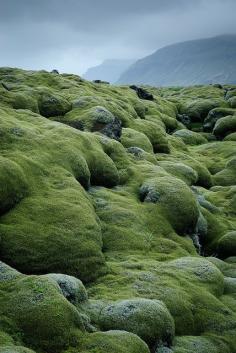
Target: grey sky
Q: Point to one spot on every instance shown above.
(72, 35)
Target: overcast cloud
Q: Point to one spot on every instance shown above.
(72, 35)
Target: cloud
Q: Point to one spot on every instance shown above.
(72, 35)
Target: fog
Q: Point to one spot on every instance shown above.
(72, 35)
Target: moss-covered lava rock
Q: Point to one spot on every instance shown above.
(117, 217)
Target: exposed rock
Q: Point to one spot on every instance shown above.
(184, 119)
(142, 93)
(100, 81)
(71, 287)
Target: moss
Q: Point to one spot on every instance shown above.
(74, 213)
(229, 285)
(230, 93)
(72, 288)
(231, 137)
(200, 344)
(14, 349)
(214, 115)
(175, 199)
(110, 342)
(103, 170)
(149, 319)
(155, 134)
(232, 102)
(132, 138)
(74, 248)
(225, 126)
(5, 339)
(190, 137)
(204, 272)
(51, 105)
(181, 171)
(45, 318)
(227, 175)
(227, 245)
(198, 109)
(13, 184)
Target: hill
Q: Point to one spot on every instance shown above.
(194, 62)
(109, 70)
(117, 217)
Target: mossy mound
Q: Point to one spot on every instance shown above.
(190, 137)
(181, 171)
(155, 133)
(175, 199)
(231, 137)
(132, 138)
(198, 109)
(72, 288)
(51, 105)
(110, 342)
(227, 245)
(38, 311)
(225, 126)
(201, 344)
(227, 175)
(214, 115)
(232, 102)
(13, 183)
(149, 319)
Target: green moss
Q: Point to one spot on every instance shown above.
(214, 115)
(190, 137)
(198, 109)
(132, 138)
(154, 132)
(72, 288)
(71, 211)
(232, 102)
(51, 105)
(92, 119)
(225, 126)
(200, 344)
(110, 342)
(149, 319)
(175, 199)
(231, 137)
(14, 349)
(13, 184)
(45, 318)
(227, 175)
(181, 171)
(227, 245)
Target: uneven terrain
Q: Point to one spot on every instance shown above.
(117, 227)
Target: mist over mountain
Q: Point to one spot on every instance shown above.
(192, 62)
(108, 70)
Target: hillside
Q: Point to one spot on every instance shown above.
(194, 62)
(117, 217)
(109, 70)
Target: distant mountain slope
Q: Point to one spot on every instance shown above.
(109, 70)
(200, 61)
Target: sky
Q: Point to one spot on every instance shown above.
(73, 35)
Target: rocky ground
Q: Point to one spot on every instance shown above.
(118, 227)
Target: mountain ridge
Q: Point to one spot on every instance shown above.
(187, 63)
(109, 70)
